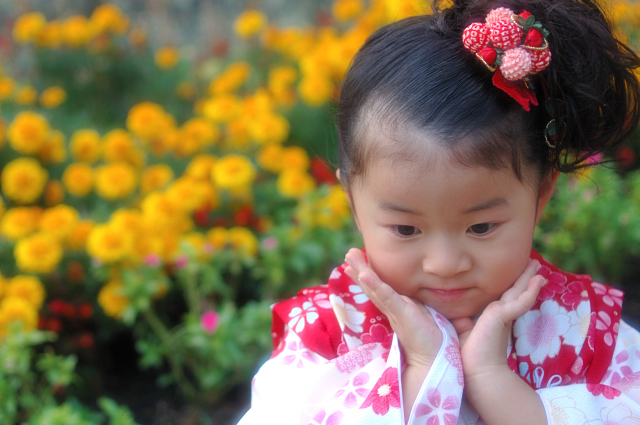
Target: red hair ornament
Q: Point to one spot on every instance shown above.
(513, 47)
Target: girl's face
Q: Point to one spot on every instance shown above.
(453, 237)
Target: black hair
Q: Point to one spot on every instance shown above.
(417, 73)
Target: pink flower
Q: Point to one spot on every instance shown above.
(607, 391)
(437, 407)
(152, 260)
(385, 394)
(209, 321)
(270, 243)
(378, 334)
(181, 261)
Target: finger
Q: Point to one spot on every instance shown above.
(522, 282)
(525, 300)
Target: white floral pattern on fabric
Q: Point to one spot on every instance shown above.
(358, 294)
(301, 316)
(347, 314)
(538, 332)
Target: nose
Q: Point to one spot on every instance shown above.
(444, 257)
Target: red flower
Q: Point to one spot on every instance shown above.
(243, 216)
(607, 391)
(322, 172)
(385, 394)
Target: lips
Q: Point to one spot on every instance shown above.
(448, 294)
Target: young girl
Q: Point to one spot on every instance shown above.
(453, 129)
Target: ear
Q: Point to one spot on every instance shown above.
(347, 191)
(545, 192)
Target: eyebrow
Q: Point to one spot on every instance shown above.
(392, 207)
(492, 203)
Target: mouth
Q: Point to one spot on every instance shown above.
(448, 294)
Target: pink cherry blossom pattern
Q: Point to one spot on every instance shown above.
(575, 294)
(354, 390)
(299, 354)
(385, 394)
(454, 357)
(611, 295)
(356, 358)
(608, 392)
(556, 283)
(378, 334)
(439, 409)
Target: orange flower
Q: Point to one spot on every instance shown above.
(109, 243)
(269, 128)
(59, 221)
(112, 299)
(52, 97)
(16, 223)
(76, 31)
(155, 177)
(233, 172)
(249, 23)
(28, 288)
(109, 18)
(77, 240)
(167, 57)
(27, 27)
(53, 193)
(26, 96)
(54, 150)
(295, 183)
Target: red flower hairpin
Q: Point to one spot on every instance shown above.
(512, 47)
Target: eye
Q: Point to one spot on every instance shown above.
(482, 229)
(406, 231)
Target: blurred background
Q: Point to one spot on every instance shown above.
(168, 174)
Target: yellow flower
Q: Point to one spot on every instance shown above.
(344, 10)
(218, 237)
(192, 194)
(163, 213)
(281, 77)
(198, 243)
(270, 158)
(38, 253)
(155, 177)
(109, 18)
(243, 240)
(200, 167)
(234, 76)
(315, 89)
(249, 23)
(109, 243)
(259, 103)
(269, 128)
(28, 288)
(148, 120)
(59, 221)
(223, 108)
(294, 183)
(167, 57)
(78, 179)
(51, 35)
(53, 193)
(27, 27)
(54, 150)
(129, 221)
(52, 97)
(116, 180)
(196, 134)
(233, 171)
(7, 86)
(295, 157)
(26, 96)
(16, 223)
(85, 145)
(112, 299)
(77, 240)
(17, 310)
(23, 180)
(238, 133)
(76, 31)
(333, 210)
(118, 145)
(28, 132)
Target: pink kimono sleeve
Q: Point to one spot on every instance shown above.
(362, 386)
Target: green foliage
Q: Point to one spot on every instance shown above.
(592, 224)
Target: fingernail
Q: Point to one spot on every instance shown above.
(539, 266)
(544, 282)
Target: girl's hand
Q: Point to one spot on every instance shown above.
(483, 346)
(417, 331)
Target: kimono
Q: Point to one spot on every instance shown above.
(337, 361)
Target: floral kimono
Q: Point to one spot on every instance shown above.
(337, 360)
